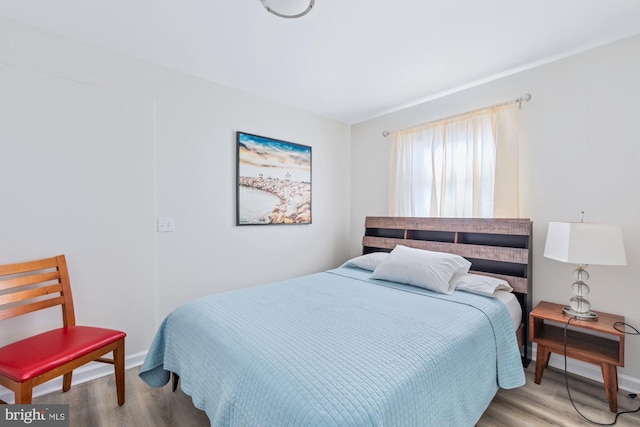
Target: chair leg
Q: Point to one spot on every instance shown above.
(118, 363)
(66, 381)
(24, 394)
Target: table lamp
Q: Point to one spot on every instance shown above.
(584, 243)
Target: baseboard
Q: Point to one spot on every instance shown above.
(590, 371)
(88, 372)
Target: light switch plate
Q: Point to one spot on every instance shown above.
(165, 224)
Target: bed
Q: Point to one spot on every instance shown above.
(350, 347)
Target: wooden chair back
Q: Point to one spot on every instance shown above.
(35, 285)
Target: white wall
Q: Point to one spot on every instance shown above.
(95, 145)
(580, 151)
(196, 161)
(76, 179)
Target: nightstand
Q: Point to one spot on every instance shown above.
(596, 342)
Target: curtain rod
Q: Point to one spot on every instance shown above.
(524, 98)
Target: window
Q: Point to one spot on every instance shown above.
(464, 166)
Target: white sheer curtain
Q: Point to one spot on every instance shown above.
(465, 166)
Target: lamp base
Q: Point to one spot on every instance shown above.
(588, 315)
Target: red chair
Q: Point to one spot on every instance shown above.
(30, 286)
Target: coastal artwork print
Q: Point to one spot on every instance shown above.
(274, 181)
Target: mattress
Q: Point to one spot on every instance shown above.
(338, 349)
(513, 306)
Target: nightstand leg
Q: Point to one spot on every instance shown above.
(542, 361)
(610, 376)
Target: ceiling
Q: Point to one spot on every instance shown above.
(346, 60)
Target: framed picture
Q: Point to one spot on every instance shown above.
(274, 181)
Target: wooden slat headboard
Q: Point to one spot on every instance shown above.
(495, 247)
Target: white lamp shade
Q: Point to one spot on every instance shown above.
(585, 243)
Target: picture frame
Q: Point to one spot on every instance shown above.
(273, 181)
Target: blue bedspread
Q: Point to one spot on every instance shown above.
(338, 349)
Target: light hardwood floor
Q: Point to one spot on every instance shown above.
(93, 404)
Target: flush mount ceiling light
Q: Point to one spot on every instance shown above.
(288, 8)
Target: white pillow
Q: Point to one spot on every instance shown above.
(479, 284)
(366, 262)
(422, 268)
